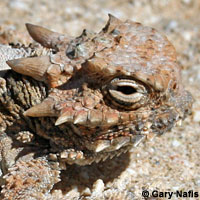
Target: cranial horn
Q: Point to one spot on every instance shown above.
(113, 19)
(44, 109)
(35, 67)
(112, 23)
(44, 36)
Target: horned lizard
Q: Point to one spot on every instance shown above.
(84, 100)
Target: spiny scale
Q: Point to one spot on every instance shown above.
(43, 109)
(35, 67)
(66, 116)
(112, 23)
(44, 36)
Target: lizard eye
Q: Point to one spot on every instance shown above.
(127, 92)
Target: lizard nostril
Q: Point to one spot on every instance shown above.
(174, 86)
(70, 53)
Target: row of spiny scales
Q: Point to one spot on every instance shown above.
(40, 68)
(37, 64)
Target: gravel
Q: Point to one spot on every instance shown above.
(168, 163)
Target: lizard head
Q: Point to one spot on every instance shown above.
(108, 90)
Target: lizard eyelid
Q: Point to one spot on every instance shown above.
(126, 91)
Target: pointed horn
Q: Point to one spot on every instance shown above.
(113, 19)
(119, 142)
(44, 109)
(66, 116)
(44, 36)
(81, 117)
(98, 145)
(112, 23)
(137, 139)
(35, 67)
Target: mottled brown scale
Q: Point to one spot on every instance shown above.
(95, 96)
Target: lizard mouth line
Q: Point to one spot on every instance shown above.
(114, 144)
(109, 140)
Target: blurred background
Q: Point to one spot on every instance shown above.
(171, 162)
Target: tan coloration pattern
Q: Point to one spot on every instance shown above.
(95, 96)
(29, 180)
(111, 194)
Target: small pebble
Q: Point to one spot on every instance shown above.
(197, 182)
(176, 143)
(19, 5)
(187, 35)
(186, 1)
(196, 116)
(98, 186)
(86, 192)
(172, 25)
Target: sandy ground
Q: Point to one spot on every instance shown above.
(169, 163)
